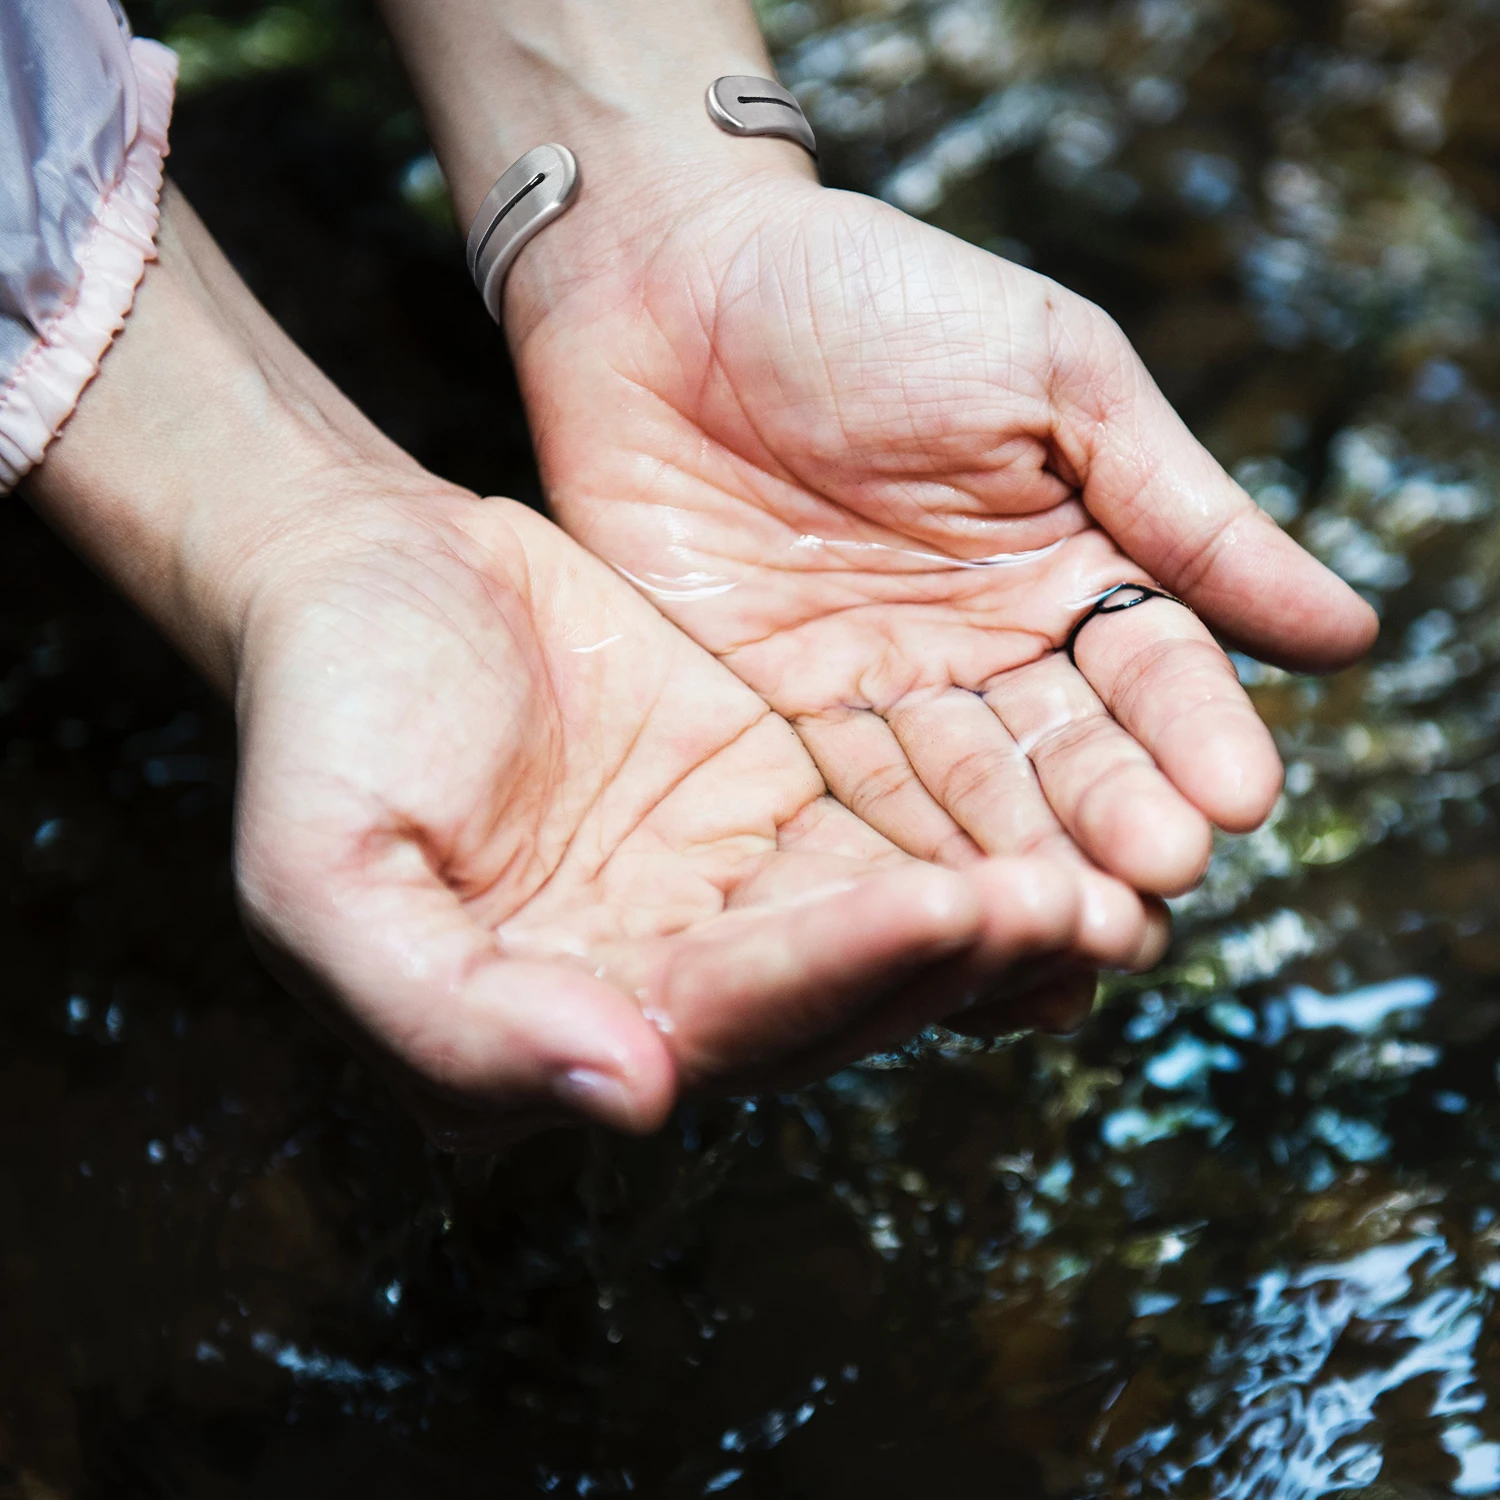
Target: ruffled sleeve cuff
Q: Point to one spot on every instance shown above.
(46, 385)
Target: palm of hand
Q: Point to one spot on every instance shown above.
(881, 474)
(544, 850)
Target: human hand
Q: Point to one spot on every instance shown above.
(507, 826)
(881, 474)
(544, 854)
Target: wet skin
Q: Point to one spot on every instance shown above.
(880, 474)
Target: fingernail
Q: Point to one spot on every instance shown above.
(600, 1095)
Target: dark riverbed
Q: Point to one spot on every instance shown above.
(1238, 1239)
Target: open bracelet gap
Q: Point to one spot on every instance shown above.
(539, 186)
(743, 105)
(528, 196)
(531, 186)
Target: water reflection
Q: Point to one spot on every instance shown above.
(1240, 1238)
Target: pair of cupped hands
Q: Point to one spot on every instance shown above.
(765, 754)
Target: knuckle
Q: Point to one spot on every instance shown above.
(1084, 733)
(1107, 791)
(1170, 680)
(975, 774)
(876, 788)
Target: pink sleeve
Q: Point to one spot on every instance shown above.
(44, 386)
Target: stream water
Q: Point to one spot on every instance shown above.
(1238, 1240)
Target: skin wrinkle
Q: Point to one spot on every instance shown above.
(1144, 669)
(1203, 560)
(1080, 734)
(788, 399)
(1102, 791)
(736, 458)
(932, 460)
(605, 784)
(662, 465)
(664, 793)
(1179, 721)
(823, 819)
(937, 412)
(1095, 434)
(1065, 713)
(870, 352)
(875, 786)
(811, 307)
(608, 776)
(715, 376)
(864, 255)
(965, 777)
(408, 594)
(876, 701)
(392, 822)
(707, 442)
(873, 269)
(435, 606)
(714, 338)
(904, 291)
(881, 625)
(731, 879)
(946, 838)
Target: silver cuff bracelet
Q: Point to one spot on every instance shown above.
(756, 106)
(529, 195)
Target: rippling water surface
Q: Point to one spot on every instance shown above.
(1240, 1238)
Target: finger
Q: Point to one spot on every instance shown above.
(415, 975)
(1170, 506)
(1031, 908)
(762, 981)
(977, 773)
(865, 767)
(1118, 926)
(1164, 678)
(974, 767)
(1103, 785)
(826, 829)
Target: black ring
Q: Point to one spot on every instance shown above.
(1102, 606)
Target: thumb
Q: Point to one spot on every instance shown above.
(413, 974)
(1170, 507)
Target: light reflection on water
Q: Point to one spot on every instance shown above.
(1239, 1239)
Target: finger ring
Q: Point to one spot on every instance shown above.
(1110, 603)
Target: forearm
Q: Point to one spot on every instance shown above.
(620, 82)
(200, 440)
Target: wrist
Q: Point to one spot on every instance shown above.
(638, 195)
(195, 455)
(622, 84)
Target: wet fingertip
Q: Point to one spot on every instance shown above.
(1240, 778)
(1355, 632)
(1161, 845)
(1365, 629)
(1155, 939)
(636, 1106)
(1112, 919)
